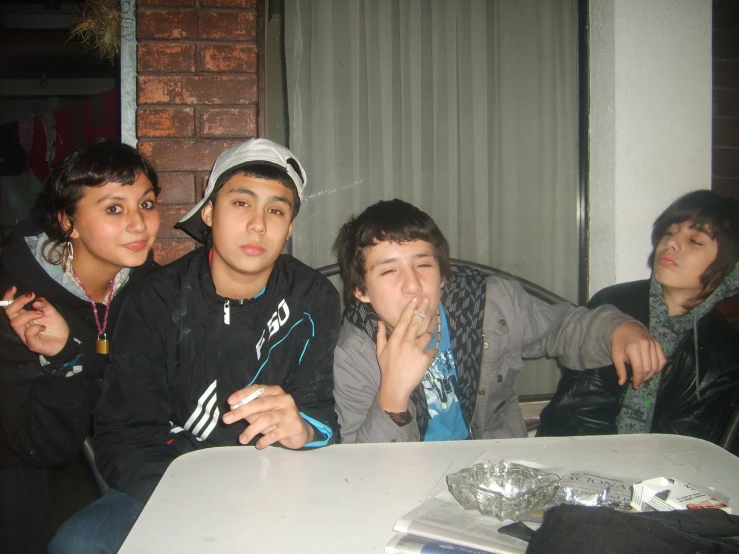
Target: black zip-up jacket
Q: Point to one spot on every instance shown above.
(45, 414)
(183, 350)
(588, 402)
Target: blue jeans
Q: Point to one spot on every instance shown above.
(100, 528)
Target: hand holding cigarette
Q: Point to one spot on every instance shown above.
(271, 412)
(8, 297)
(253, 396)
(41, 328)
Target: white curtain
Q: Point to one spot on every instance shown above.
(465, 108)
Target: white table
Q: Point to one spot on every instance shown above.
(346, 498)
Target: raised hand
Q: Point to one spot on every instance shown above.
(402, 359)
(42, 329)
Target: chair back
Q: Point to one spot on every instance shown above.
(732, 426)
(89, 453)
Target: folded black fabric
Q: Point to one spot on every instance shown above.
(578, 529)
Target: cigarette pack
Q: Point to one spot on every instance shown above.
(663, 495)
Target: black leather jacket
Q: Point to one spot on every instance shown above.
(587, 402)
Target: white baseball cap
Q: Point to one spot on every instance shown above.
(256, 151)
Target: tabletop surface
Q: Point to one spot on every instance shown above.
(346, 498)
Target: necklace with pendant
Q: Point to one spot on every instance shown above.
(102, 345)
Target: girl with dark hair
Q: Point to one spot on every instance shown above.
(695, 265)
(65, 274)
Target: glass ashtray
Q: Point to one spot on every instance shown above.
(505, 491)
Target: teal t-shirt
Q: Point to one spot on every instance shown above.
(446, 421)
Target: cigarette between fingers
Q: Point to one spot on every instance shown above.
(5, 303)
(253, 396)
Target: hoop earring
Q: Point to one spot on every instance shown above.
(68, 255)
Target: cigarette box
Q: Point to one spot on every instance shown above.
(663, 495)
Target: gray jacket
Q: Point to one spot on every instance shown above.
(514, 326)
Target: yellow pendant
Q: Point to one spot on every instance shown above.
(102, 346)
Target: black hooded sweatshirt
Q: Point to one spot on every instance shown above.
(45, 411)
(184, 349)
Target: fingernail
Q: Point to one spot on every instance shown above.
(227, 418)
(414, 300)
(39, 312)
(29, 295)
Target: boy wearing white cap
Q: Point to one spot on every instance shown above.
(231, 344)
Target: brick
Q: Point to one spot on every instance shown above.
(166, 57)
(168, 250)
(725, 162)
(167, 3)
(725, 103)
(201, 183)
(171, 214)
(726, 131)
(228, 122)
(246, 4)
(724, 186)
(726, 16)
(236, 25)
(165, 122)
(725, 45)
(185, 155)
(178, 187)
(725, 74)
(167, 24)
(198, 90)
(232, 58)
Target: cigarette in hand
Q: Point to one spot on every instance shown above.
(253, 396)
(5, 303)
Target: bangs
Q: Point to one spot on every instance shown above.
(100, 162)
(123, 175)
(699, 220)
(702, 217)
(401, 235)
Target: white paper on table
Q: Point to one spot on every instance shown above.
(442, 518)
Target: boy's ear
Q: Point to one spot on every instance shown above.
(359, 295)
(206, 214)
(289, 232)
(66, 225)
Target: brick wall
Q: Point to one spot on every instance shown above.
(725, 166)
(197, 96)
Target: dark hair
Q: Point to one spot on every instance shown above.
(713, 214)
(258, 171)
(387, 220)
(91, 164)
